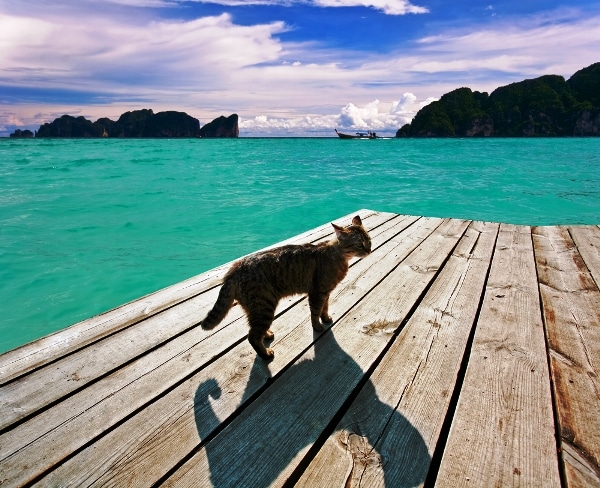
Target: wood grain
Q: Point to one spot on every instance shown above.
(281, 425)
(387, 436)
(54, 346)
(587, 240)
(502, 433)
(72, 372)
(140, 396)
(143, 388)
(571, 309)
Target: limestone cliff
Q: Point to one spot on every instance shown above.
(587, 123)
(22, 134)
(138, 124)
(548, 106)
(221, 127)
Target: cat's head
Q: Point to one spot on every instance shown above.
(353, 239)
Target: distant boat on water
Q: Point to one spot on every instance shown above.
(358, 135)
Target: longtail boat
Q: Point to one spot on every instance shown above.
(358, 135)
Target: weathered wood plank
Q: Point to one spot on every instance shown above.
(115, 397)
(175, 411)
(266, 442)
(155, 399)
(571, 306)
(587, 240)
(387, 436)
(22, 397)
(54, 346)
(502, 433)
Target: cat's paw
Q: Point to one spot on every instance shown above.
(269, 334)
(268, 355)
(318, 326)
(326, 319)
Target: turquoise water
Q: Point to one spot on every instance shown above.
(87, 225)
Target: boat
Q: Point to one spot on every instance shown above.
(358, 135)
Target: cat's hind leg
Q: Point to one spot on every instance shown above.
(256, 338)
(259, 331)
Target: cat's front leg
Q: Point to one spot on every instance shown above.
(325, 317)
(316, 302)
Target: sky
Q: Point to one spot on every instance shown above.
(286, 67)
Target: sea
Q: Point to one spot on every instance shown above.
(88, 225)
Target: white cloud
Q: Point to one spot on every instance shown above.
(427, 101)
(562, 43)
(307, 124)
(372, 115)
(484, 58)
(144, 3)
(103, 53)
(10, 119)
(389, 7)
(211, 66)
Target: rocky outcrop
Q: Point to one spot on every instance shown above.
(68, 126)
(145, 123)
(21, 134)
(141, 123)
(221, 127)
(172, 124)
(547, 106)
(131, 124)
(587, 123)
(481, 126)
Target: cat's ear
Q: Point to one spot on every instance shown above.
(356, 221)
(338, 230)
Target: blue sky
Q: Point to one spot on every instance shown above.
(287, 67)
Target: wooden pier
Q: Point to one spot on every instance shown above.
(462, 353)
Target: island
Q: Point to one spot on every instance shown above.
(22, 134)
(548, 106)
(136, 124)
(221, 127)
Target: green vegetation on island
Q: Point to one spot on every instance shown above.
(544, 106)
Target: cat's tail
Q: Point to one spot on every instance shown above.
(221, 306)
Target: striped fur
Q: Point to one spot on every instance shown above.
(259, 281)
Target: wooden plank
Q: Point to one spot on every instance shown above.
(155, 359)
(175, 412)
(502, 433)
(587, 240)
(28, 394)
(237, 376)
(166, 404)
(24, 396)
(89, 414)
(571, 306)
(266, 441)
(54, 346)
(387, 436)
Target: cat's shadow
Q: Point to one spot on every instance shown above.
(404, 462)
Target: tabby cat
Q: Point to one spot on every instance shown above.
(259, 281)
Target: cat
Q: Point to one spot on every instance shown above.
(259, 281)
